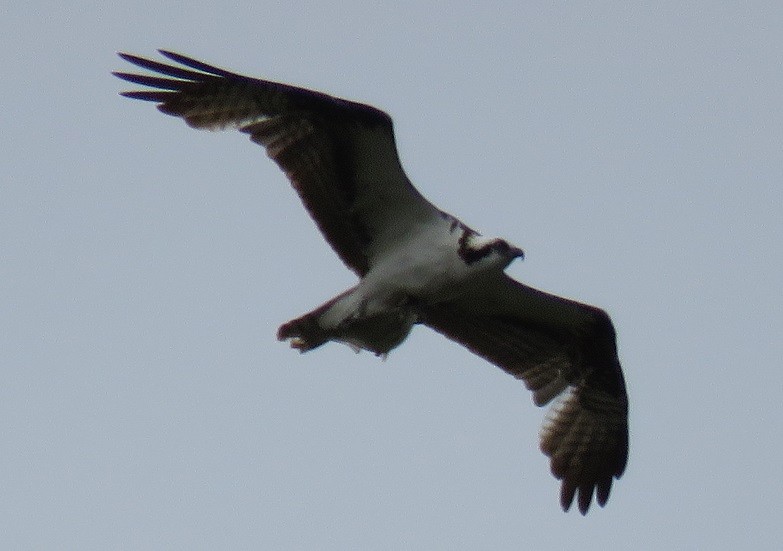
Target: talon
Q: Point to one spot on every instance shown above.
(299, 344)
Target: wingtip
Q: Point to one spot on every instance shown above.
(602, 491)
(566, 496)
(584, 499)
(582, 504)
(583, 495)
(130, 58)
(179, 58)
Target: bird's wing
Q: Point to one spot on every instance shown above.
(340, 155)
(560, 349)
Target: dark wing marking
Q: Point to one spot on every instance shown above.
(559, 348)
(339, 155)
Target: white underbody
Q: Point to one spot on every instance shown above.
(380, 311)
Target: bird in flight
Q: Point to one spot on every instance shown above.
(416, 264)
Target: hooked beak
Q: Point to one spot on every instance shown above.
(516, 252)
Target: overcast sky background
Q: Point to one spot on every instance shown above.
(636, 154)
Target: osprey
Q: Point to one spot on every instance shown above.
(416, 264)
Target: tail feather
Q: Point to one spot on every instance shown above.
(308, 332)
(305, 332)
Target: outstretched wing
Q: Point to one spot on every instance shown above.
(340, 155)
(561, 349)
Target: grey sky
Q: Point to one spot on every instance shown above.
(635, 154)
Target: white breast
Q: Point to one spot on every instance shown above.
(426, 266)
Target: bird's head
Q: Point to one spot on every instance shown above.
(496, 252)
(502, 248)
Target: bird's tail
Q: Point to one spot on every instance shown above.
(309, 331)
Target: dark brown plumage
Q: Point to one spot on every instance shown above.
(342, 160)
